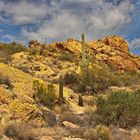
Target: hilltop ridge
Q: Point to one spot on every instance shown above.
(52, 59)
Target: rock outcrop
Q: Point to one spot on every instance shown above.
(113, 50)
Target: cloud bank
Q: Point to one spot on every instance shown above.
(60, 19)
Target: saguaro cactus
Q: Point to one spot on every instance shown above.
(80, 100)
(61, 89)
(84, 61)
(83, 49)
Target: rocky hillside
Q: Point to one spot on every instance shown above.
(50, 61)
(80, 115)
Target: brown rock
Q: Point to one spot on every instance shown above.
(70, 125)
(33, 43)
(116, 42)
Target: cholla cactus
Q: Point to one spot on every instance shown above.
(61, 89)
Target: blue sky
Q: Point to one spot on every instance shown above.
(57, 20)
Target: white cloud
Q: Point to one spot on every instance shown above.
(135, 44)
(104, 18)
(68, 18)
(24, 12)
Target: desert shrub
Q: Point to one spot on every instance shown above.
(97, 78)
(50, 118)
(119, 108)
(6, 50)
(42, 49)
(57, 63)
(130, 78)
(71, 78)
(6, 81)
(100, 132)
(19, 132)
(44, 95)
(33, 51)
(65, 56)
(13, 48)
(127, 78)
(91, 119)
(100, 77)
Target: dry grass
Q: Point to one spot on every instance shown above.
(19, 132)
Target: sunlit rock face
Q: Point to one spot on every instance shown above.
(114, 51)
(48, 61)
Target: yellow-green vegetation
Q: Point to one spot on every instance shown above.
(44, 94)
(21, 82)
(99, 77)
(6, 50)
(65, 56)
(5, 95)
(119, 108)
(100, 132)
(20, 109)
(13, 47)
(71, 78)
(33, 51)
(128, 78)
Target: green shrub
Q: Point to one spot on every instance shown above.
(99, 133)
(119, 108)
(100, 77)
(13, 48)
(42, 49)
(71, 78)
(6, 50)
(33, 51)
(44, 95)
(97, 79)
(65, 56)
(129, 78)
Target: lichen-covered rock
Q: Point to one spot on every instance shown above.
(114, 51)
(70, 125)
(116, 42)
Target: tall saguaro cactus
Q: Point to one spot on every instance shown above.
(83, 49)
(84, 61)
(61, 89)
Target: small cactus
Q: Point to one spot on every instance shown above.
(61, 89)
(80, 100)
